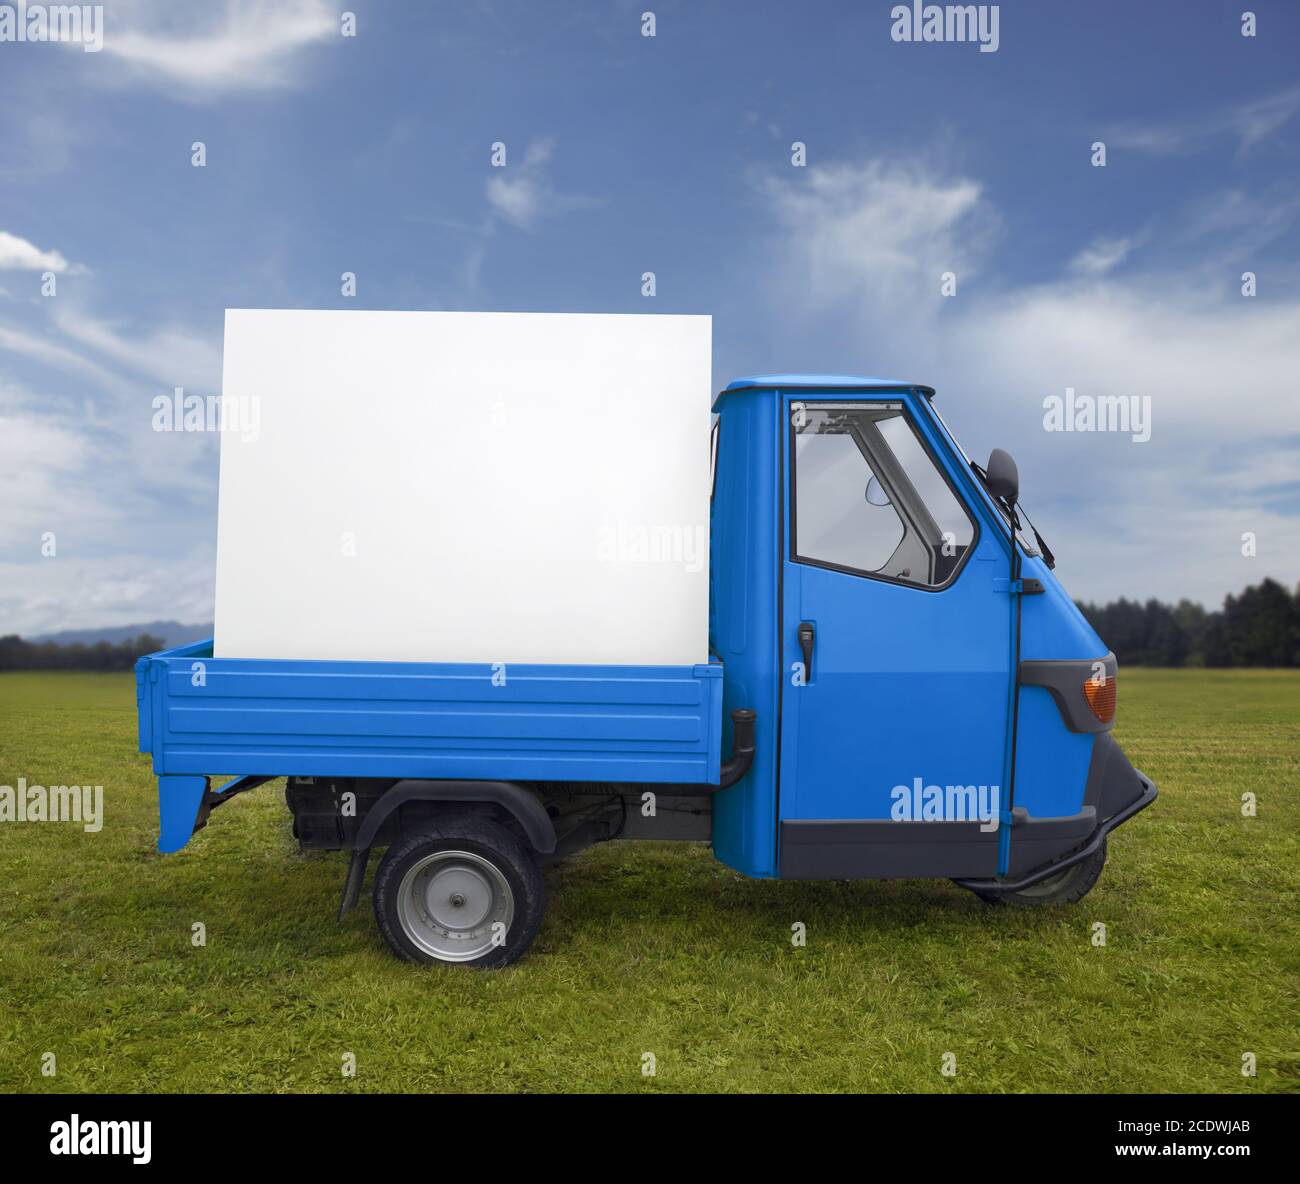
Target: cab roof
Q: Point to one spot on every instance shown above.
(855, 382)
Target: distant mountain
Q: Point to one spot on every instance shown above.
(173, 633)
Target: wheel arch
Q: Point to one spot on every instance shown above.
(515, 799)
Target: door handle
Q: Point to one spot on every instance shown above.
(807, 635)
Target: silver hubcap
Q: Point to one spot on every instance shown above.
(455, 906)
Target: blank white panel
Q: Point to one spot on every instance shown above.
(465, 487)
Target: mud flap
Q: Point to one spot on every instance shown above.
(179, 799)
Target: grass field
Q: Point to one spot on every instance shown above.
(657, 948)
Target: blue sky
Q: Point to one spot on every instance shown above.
(670, 154)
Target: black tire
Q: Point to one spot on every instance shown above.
(1070, 885)
(472, 858)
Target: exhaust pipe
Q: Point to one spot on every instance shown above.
(742, 749)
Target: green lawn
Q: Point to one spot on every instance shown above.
(657, 948)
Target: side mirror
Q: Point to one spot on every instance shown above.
(1003, 477)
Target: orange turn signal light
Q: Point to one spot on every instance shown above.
(1100, 693)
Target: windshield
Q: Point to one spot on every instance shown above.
(1031, 542)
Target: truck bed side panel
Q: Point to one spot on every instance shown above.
(205, 715)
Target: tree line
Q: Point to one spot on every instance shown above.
(1258, 627)
(17, 654)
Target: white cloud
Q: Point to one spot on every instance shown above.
(1235, 224)
(522, 194)
(1187, 350)
(861, 251)
(17, 254)
(1257, 121)
(60, 357)
(1249, 123)
(237, 46)
(171, 355)
(76, 590)
(876, 232)
(1102, 256)
(41, 457)
(114, 361)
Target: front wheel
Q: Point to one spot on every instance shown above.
(461, 890)
(1063, 888)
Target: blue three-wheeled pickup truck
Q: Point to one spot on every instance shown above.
(900, 686)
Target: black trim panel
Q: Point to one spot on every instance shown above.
(1064, 679)
(881, 849)
(1113, 783)
(1036, 841)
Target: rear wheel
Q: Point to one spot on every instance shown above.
(462, 890)
(1063, 888)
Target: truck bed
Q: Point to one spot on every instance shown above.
(201, 715)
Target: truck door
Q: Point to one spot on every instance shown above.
(896, 636)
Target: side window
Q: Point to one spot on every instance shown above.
(870, 499)
(838, 522)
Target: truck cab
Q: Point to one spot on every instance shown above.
(929, 700)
